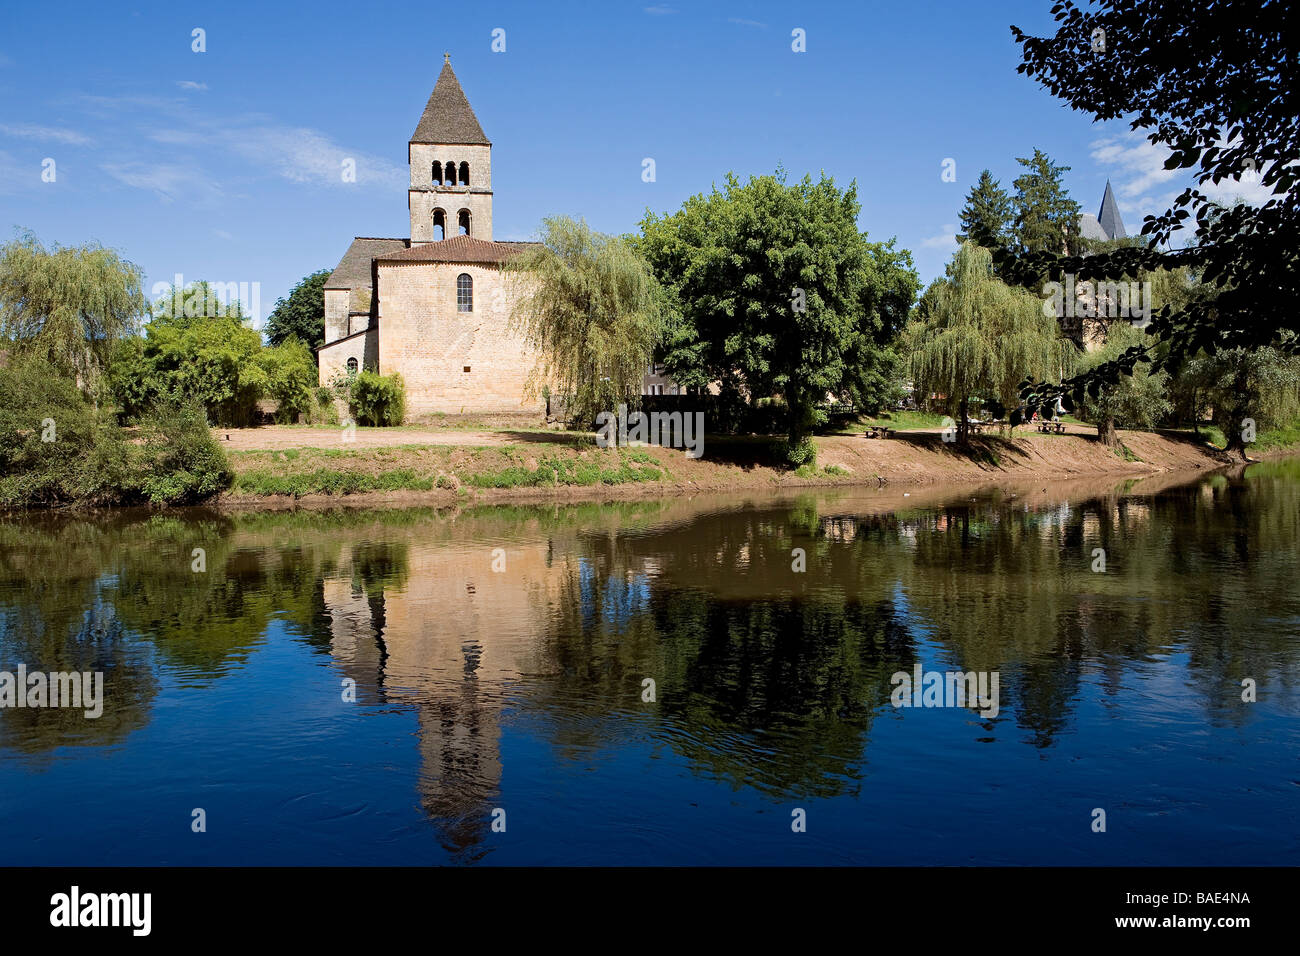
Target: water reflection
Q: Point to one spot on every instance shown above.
(765, 678)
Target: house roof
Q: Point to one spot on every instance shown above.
(457, 249)
(353, 270)
(1109, 218)
(448, 119)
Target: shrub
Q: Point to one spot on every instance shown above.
(378, 399)
(802, 453)
(57, 448)
(290, 377)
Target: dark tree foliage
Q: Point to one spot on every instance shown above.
(986, 217)
(1215, 83)
(302, 314)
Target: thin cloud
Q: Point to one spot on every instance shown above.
(51, 134)
(170, 181)
(747, 23)
(659, 11)
(945, 240)
(191, 85)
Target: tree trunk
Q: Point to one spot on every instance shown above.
(1108, 433)
(963, 423)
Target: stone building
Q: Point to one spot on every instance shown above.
(435, 307)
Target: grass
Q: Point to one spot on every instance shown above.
(902, 420)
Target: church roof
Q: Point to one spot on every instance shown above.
(1109, 218)
(1090, 228)
(465, 249)
(353, 270)
(448, 119)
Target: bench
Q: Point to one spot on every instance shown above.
(879, 431)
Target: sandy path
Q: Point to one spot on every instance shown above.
(275, 437)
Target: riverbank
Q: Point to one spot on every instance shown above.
(291, 467)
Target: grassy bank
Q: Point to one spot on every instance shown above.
(539, 465)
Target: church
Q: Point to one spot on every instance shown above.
(435, 307)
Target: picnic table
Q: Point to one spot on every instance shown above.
(1049, 427)
(879, 431)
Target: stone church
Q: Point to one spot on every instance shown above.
(435, 307)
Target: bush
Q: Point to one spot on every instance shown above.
(802, 453)
(57, 448)
(290, 378)
(378, 399)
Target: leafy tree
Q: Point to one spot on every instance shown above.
(202, 349)
(776, 292)
(975, 335)
(1214, 84)
(302, 315)
(986, 219)
(1261, 385)
(1137, 401)
(1046, 218)
(592, 309)
(68, 305)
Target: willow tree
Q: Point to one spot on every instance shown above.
(1138, 400)
(975, 335)
(590, 306)
(67, 305)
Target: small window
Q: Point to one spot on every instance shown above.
(464, 174)
(352, 366)
(462, 220)
(439, 224)
(467, 368)
(451, 174)
(437, 174)
(464, 294)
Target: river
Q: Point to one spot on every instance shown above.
(688, 681)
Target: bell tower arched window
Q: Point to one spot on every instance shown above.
(462, 222)
(437, 174)
(464, 293)
(464, 174)
(451, 174)
(439, 224)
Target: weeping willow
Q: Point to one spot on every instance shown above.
(590, 306)
(975, 335)
(67, 306)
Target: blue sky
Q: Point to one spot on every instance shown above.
(225, 165)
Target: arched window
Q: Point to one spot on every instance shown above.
(352, 366)
(451, 174)
(439, 224)
(462, 222)
(464, 174)
(464, 293)
(437, 174)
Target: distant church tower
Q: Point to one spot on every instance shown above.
(1106, 224)
(451, 167)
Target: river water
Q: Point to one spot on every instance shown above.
(696, 680)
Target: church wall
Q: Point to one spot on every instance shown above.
(332, 359)
(336, 313)
(431, 344)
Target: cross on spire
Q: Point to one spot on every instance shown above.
(446, 58)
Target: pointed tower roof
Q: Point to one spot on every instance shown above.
(448, 119)
(1109, 215)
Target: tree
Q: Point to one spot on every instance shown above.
(1246, 389)
(68, 305)
(591, 307)
(201, 349)
(1046, 218)
(774, 291)
(302, 314)
(975, 335)
(1136, 401)
(1214, 84)
(987, 216)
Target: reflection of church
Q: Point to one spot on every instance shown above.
(449, 637)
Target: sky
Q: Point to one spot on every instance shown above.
(226, 164)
